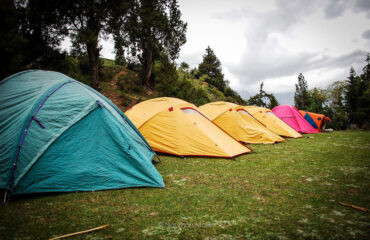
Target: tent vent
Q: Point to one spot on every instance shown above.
(190, 111)
(100, 104)
(241, 111)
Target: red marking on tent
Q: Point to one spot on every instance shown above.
(170, 109)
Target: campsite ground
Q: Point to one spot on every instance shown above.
(285, 191)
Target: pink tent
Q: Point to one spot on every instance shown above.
(291, 116)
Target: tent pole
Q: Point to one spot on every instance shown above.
(5, 196)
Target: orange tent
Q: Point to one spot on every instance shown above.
(173, 126)
(316, 120)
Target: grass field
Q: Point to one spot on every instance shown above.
(289, 190)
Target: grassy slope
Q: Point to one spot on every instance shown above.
(126, 91)
(284, 191)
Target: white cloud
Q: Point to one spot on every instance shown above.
(273, 41)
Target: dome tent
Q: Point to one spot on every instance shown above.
(237, 122)
(59, 135)
(272, 122)
(176, 127)
(317, 121)
(291, 116)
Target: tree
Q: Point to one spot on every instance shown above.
(257, 99)
(302, 99)
(362, 113)
(366, 69)
(154, 27)
(351, 95)
(32, 31)
(263, 99)
(184, 66)
(89, 21)
(46, 23)
(318, 100)
(273, 101)
(211, 67)
(12, 41)
(335, 108)
(166, 76)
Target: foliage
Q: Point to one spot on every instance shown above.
(90, 20)
(351, 94)
(362, 113)
(108, 63)
(357, 97)
(184, 66)
(318, 100)
(335, 109)
(250, 198)
(154, 27)
(263, 99)
(302, 98)
(211, 68)
(12, 42)
(346, 103)
(166, 77)
(129, 83)
(168, 83)
(31, 31)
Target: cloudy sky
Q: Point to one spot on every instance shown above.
(272, 41)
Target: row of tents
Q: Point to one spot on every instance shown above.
(59, 135)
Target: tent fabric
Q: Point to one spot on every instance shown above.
(174, 126)
(237, 122)
(315, 119)
(59, 135)
(309, 119)
(272, 122)
(293, 118)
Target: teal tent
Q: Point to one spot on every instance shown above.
(59, 135)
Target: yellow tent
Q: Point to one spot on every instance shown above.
(237, 122)
(174, 126)
(272, 122)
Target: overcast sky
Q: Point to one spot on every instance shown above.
(272, 41)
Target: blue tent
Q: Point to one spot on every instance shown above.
(59, 135)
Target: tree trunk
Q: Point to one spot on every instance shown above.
(93, 54)
(147, 67)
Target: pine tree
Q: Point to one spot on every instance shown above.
(273, 101)
(302, 99)
(263, 99)
(351, 95)
(362, 114)
(211, 67)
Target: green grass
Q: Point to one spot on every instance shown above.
(289, 190)
(109, 63)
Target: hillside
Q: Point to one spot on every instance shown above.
(123, 87)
